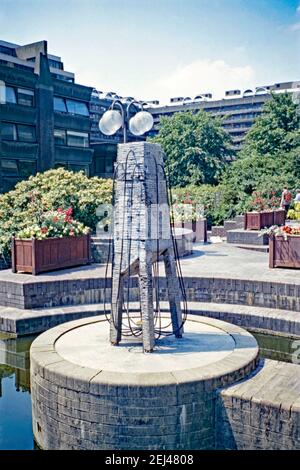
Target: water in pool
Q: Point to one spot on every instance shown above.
(15, 402)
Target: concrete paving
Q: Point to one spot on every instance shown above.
(216, 260)
(89, 346)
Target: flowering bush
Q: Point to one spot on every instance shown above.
(282, 231)
(22, 208)
(263, 201)
(53, 224)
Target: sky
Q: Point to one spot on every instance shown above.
(157, 49)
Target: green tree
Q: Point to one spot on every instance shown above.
(276, 129)
(196, 147)
(270, 158)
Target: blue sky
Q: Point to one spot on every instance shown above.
(161, 48)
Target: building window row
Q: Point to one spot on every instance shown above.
(18, 168)
(71, 138)
(17, 132)
(20, 96)
(65, 105)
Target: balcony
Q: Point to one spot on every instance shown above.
(73, 154)
(18, 113)
(72, 122)
(19, 149)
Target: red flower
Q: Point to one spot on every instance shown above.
(44, 230)
(69, 211)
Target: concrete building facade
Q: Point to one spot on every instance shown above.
(239, 109)
(47, 120)
(44, 118)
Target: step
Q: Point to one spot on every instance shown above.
(218, 231)
(24, 322)
(260, 248)
(246, 237)
(240, 221)
(262, 412)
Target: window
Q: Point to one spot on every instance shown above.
(9, 167)
(55, 64)
(59, 105)
(19, 96)
(10, 95)
(26, 168)
(70, 106)
(8, 51)
(26, 133)
(77, 107)
(8, 131)
(60, 137)
(19, 132)
(77, 139)
(19, 168)
(25, 97)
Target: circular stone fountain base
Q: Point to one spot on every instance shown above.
(88, 394)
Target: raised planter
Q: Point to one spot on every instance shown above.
(198, 227)
(37, 256)
(284, 253)
(279, 217)
(260, 220)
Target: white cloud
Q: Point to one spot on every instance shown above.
(295, 27)
(298, 9)
(201, 76)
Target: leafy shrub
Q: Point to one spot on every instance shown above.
(207, 199)
(53, 189)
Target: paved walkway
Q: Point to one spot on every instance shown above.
(218, 260)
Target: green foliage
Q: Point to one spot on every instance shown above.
(277, 129)
(21, 207)
(196, 147)
(207, 200)
(270, 158)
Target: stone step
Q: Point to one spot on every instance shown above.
(260, 248)
(262, 412)
(240, 221)
(246, 237)
(218, 231)
(24, 322)
(230, 225)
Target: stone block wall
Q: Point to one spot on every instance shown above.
(246, 237)
(263, 412)
(37, 294)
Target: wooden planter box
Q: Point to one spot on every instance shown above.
(284, 253)
(37, 256)
(259, 220)
(199, 227)
(279, 217)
